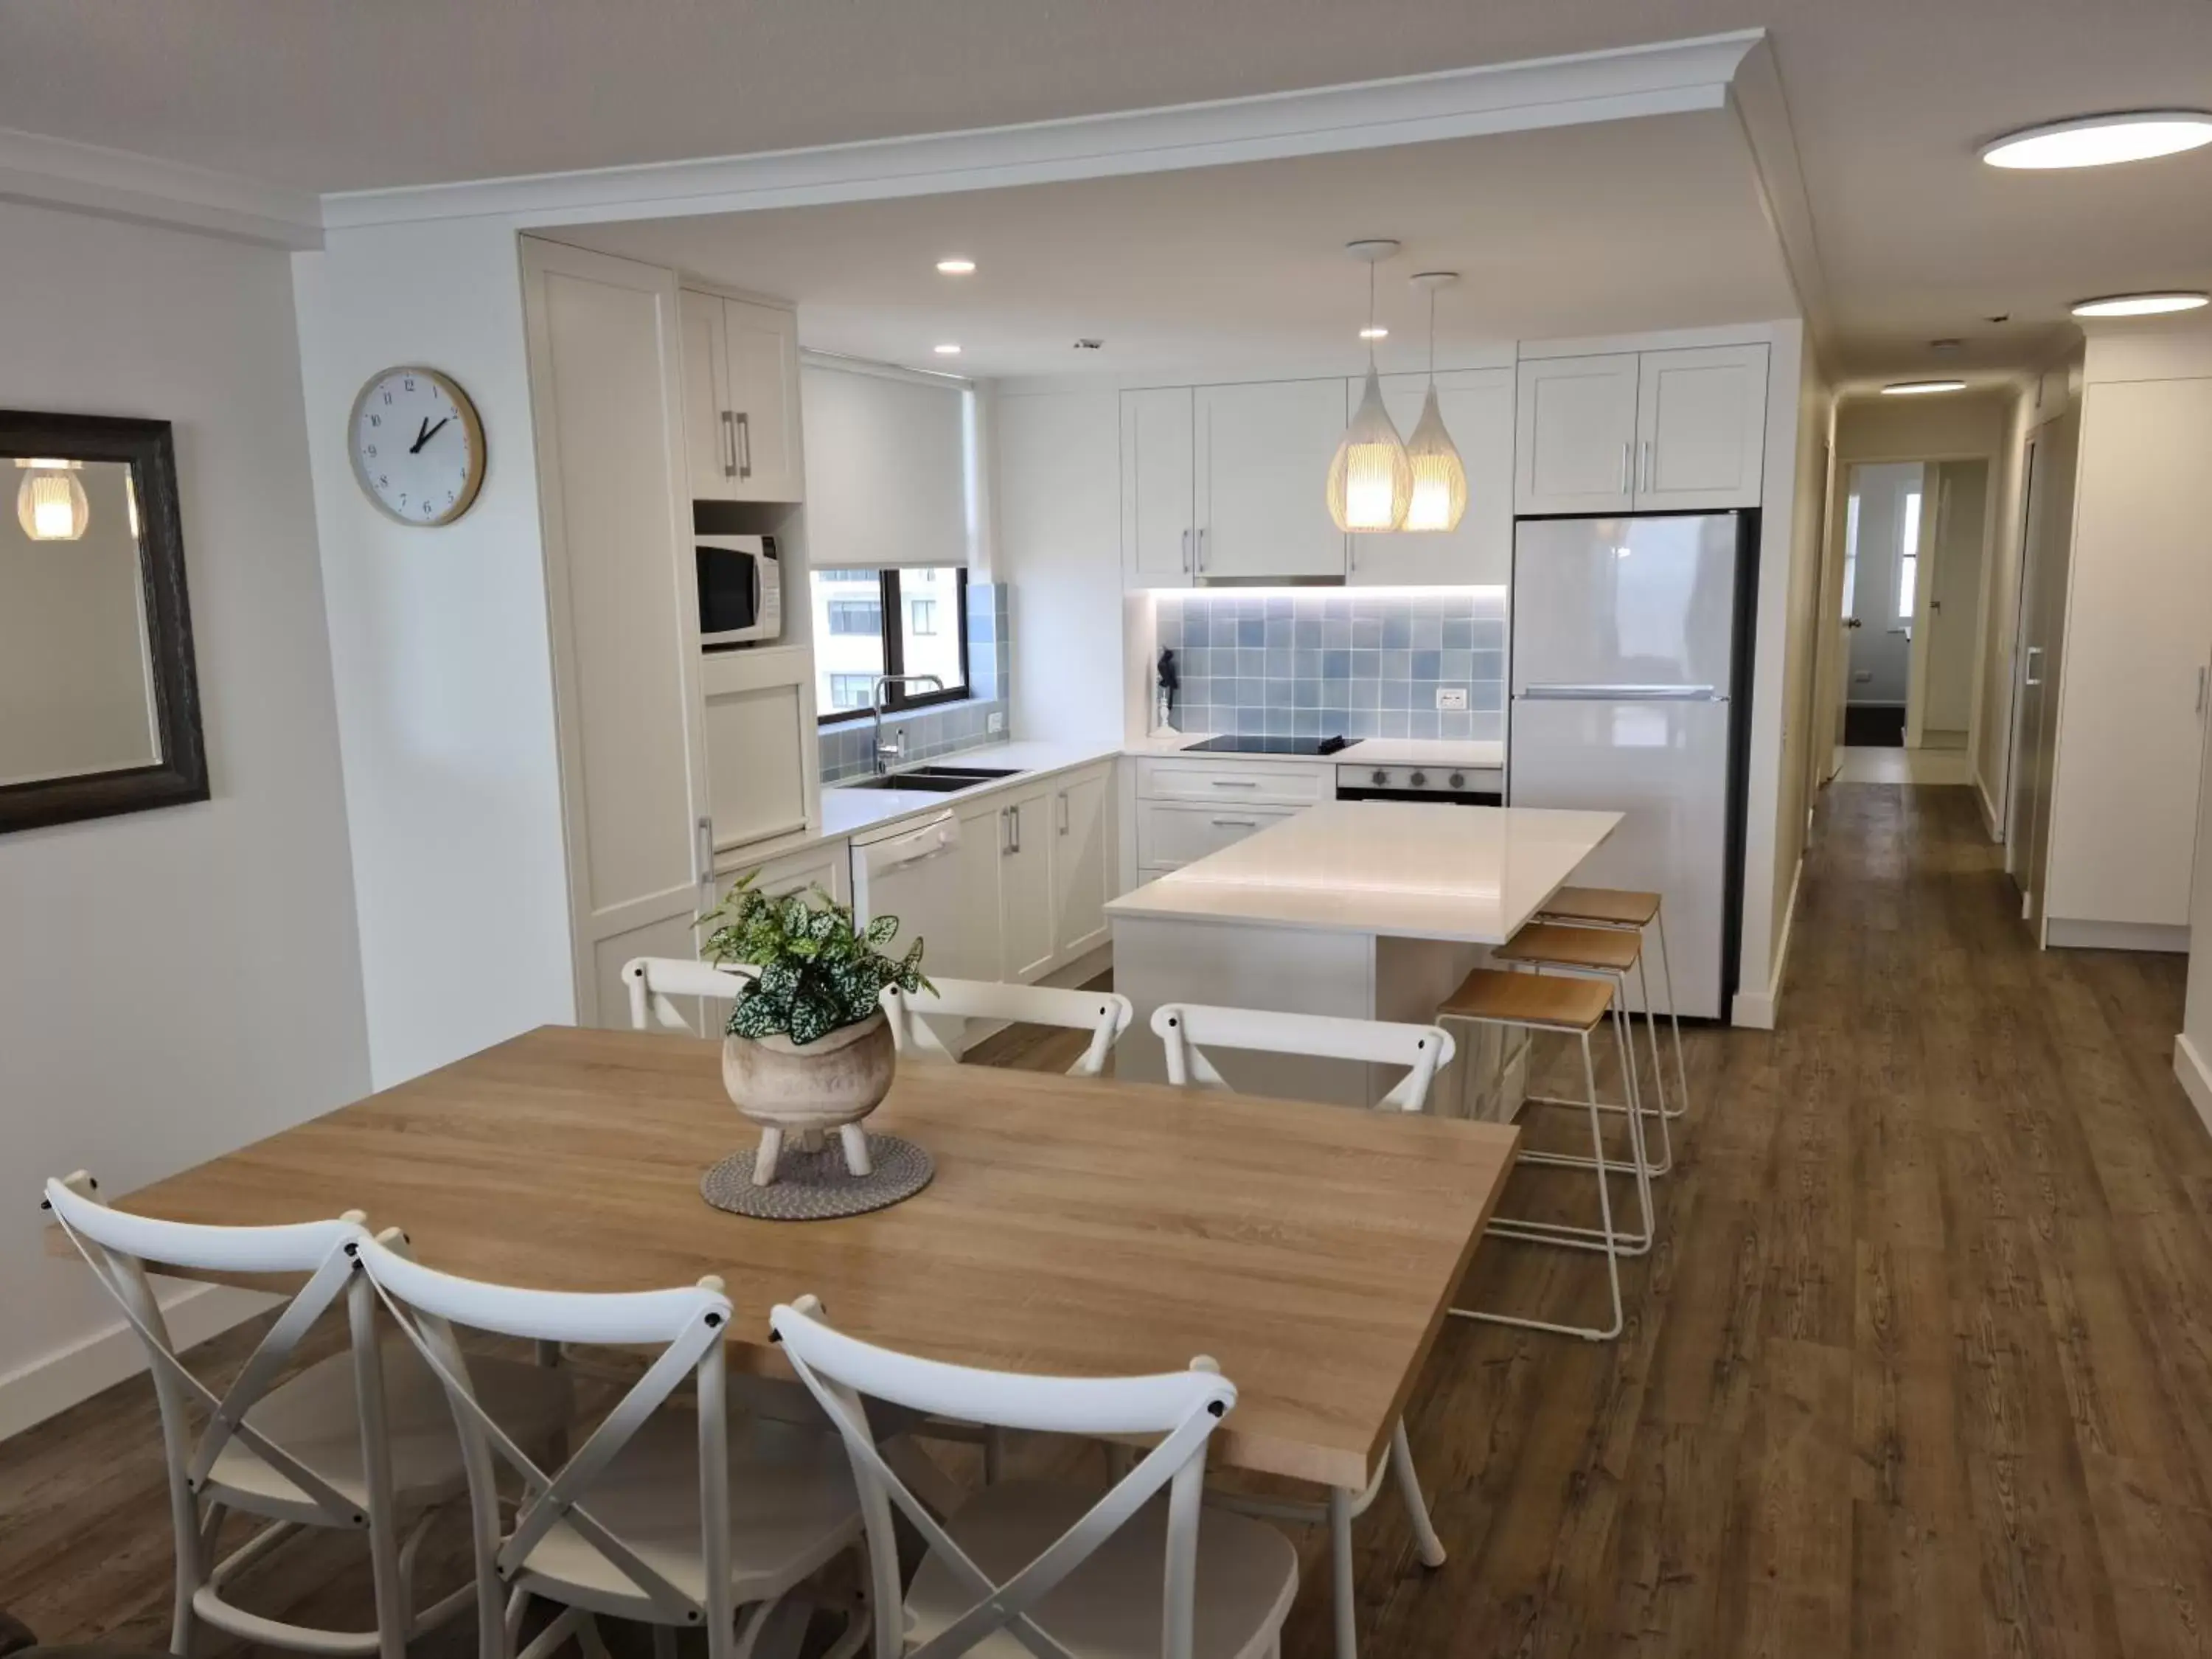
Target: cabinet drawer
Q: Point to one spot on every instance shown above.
(1169, 834)
(1258, 782)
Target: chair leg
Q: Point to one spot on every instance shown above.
(1431, 1546)
(664, 1642)
(1341, 1501)
(192, 1555)
(1667, 980)
(1666, 1165)
(994, 1454)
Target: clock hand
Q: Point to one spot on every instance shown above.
(419, 432)
(428, 433)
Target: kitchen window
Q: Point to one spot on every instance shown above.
(853, 645)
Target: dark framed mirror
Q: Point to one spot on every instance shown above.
(99, 709)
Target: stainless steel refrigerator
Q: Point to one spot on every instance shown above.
(1630, 648)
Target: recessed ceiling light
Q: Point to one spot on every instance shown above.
(2138, 305)
(2098, 141)
(1374, 333)
(956, 266)
(1921, 388)
(947, 350)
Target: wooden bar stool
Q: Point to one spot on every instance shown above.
(1575, 1006)
(1564, 947)
(1633, 911)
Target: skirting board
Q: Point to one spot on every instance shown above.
(2061, 934)
(35, 1392)
(1755, 1009)
(1990, 821)
(2196, 1079)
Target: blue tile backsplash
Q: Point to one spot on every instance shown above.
(1318, 665)
(847, 747)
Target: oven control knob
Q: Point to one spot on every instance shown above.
(1381, 777)
(1421, 780)
(1459, 780)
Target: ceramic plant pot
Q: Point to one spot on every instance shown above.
(832, 1083)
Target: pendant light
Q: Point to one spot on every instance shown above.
(1439, 497)
(50, 504)
(1370, 482)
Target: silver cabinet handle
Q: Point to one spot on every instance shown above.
(2030, 677)
(729, 445)
(704, 850)
(1186, 551)
(1234, 783)
(1201, 547)
(1646, 485)
(745, 445)
(2200, 690)
(1627, 451)
(1235, 824)
(1063, 811)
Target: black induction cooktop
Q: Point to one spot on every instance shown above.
(1269, 745)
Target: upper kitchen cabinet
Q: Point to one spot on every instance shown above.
(1158, 476)
(1641, 432)
(1264, 451)
(741, 399)
(1477, 405)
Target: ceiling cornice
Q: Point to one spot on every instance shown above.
(117, 183)
(1763, 111)
(1672, 77)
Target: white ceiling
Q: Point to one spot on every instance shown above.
(1611, 229)
(1887, 98)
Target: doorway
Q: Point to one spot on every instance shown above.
(1882, 535)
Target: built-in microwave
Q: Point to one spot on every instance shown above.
(740, 590)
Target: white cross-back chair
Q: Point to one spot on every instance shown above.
(1045, 1569)
(1105, 1015)
(651, 981)
(356, 1442)
(673, 1516)
(1185, 1030)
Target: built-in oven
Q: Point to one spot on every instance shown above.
(1453, 785)
(740, 591)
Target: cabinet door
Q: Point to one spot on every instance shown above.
(764, 401)
(1025, 887)
(1081, 870)
(1575, 434)
(1263, 457)
(1701, 428)
(1477, 406)
(762, 749)
(1157, 480)
(977, 950)
(709, 442)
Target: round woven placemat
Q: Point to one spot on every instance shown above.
(815, 1186)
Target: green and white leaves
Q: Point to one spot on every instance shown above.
(817, 974)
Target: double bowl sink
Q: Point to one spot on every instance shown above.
(937, 780)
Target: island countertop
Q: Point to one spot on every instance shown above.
(1399, 869)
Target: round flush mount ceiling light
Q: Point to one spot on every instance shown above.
(956, 266)
(1374, 332)
(2139, 305)
(948, 350)
(2100, 141)
(1921, 388)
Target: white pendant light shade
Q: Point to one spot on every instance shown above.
(50, 503)
(1370, 482)
(1439, 499)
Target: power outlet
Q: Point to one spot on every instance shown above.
(1451, 698)
(994, 721)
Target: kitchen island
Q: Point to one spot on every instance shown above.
(1362, 909)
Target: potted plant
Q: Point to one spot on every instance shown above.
(807, 1048)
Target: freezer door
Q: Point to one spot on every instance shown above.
(1664, 764)
(1642, 602)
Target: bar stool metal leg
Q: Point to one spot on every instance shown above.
(1667, 979)
(1632, 1107)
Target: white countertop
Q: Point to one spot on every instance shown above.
(1402, 869)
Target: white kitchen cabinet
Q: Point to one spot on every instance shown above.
(1082, 865)
(1575, 434)
(1187, 810)
(741, 399)
(1170, 835)
(1701, 428)
(1641, 432)
(1478, 410)
(828, 865)
(1158, 475)
(1027, 901)
(1264, 451)
(978, 950)
(606, 402)
(762, 756)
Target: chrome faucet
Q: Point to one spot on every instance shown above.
(887, 752)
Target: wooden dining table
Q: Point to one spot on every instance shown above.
(1074, 1226)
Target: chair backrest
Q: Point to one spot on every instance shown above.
(1184, 1407)
(651, 981)
(119, 1248)
(1186, 1029)
(1102, 1014)
(689, 1324)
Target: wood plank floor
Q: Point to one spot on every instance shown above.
(1921, 1365)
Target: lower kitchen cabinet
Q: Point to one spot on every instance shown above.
(1025, 886)
(977, 951)
(1082, 867)
(1036, 869)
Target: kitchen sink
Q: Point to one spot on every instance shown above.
(977, 773)
(936, 779)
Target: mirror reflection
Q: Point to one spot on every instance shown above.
(77, 687)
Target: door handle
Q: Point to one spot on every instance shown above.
(1851, 621)
(729, 445)
(745, 445)
(2029, 677)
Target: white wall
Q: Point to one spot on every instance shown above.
(175, 984)
(442, 658)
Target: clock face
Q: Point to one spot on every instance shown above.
(418, 448)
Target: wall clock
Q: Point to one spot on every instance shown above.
(418, 448)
